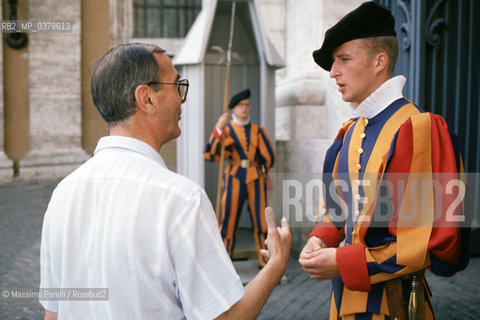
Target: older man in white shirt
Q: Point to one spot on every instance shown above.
(124, 222)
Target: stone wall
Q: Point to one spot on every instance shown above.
(55, 97)
(307, 113)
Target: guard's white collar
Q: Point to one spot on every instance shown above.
(381, 98)
(240, 122)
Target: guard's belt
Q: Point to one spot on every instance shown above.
(244, 163)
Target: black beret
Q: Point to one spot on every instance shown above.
(244, 94)
(368, 20)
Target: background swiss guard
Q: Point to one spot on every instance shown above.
(378, 271)
(250, 156)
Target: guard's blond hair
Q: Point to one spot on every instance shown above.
(387, 44)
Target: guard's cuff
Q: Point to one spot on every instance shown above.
(217, 133)
(328, 233)
(352, 264)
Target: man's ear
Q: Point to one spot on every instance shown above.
(381, 62)
(143, 99)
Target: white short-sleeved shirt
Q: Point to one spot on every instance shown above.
(123, 221)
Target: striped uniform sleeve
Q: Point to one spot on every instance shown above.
(444, 251)
(328, 233)
(211, 150)
(267, 154)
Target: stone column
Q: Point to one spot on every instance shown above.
(272, 16)
(6, 165)
(55, 99)
(309, 111)
(121, 21)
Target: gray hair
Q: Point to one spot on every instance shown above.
(117, 75)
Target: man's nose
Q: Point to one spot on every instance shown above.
(333, 71)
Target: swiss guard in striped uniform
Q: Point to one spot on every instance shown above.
(388, 211)
(250, 156)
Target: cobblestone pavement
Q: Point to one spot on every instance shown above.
(22, 205)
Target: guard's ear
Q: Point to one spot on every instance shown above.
(381, 62)
(143, 99)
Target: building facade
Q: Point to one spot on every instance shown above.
(49, 126)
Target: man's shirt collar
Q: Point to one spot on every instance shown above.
(131, 144)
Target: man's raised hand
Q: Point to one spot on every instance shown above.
(279, 239)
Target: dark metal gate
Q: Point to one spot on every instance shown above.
(439, 53)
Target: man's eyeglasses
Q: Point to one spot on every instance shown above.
(182, 87)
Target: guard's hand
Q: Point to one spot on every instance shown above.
(222, 121)
(313, 244)
(279, 240)
(321, 264)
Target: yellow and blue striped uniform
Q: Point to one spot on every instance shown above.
(397, 147)
(249, 142)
